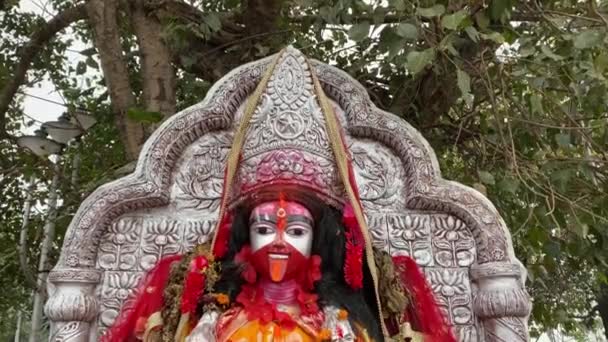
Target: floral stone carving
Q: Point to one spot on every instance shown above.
(170, 203)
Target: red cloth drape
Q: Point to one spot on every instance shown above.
(423, 314)
(131, 321)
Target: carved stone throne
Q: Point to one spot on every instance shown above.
(170, 203)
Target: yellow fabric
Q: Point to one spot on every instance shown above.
(153, 322)
(255, 332)
(184, 328)
(408, 332)
(342, 156)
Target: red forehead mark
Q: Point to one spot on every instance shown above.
(282, 213)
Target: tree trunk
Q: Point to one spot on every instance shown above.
(18, 329)
(157, 72)
(23, 235)
(103, 15)
(45, 249)
(602, 304)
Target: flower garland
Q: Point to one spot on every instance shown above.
(194, 284)
(257, 308)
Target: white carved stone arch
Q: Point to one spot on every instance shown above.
(454, 232)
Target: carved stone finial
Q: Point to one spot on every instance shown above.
(501, 301)
(72, 303)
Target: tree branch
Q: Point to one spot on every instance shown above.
(260, 16)
(30, 51)
(399, 18)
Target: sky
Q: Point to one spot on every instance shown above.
(34, 107)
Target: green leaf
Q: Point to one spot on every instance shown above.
(391, 41)
(498, 8)
(581, 230)
(527, 51)
(486, 177)
(552, 249)
(472, 33)
(262, 50)
(561, 315)
(399, 5)
(92, 63)
(407, 30)
(88, 52)
(547, 52)
(563, 139)
(81, 68)
(494, 36)
(213, 22)
(329, 14)
(359, 31)
(447, 43)
(536, 104)
(430, 12)
(509, 185)
(588, 39)
(531, 274)
(452, 21)
(481, 188)
(141, 115)
(482, 20)
(378, 16)
(600, 62)
(464, 81)
(418, 60)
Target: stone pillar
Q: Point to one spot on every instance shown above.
(501, 302)
(72, 304)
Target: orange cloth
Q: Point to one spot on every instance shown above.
(255, 332)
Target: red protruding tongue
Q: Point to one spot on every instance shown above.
(278, 267)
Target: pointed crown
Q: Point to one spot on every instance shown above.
(286, 144)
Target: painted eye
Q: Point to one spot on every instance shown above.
(296, 231)
(264, 230)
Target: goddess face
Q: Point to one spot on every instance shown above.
(281, 234)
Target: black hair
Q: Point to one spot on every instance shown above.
(329, 243)
(230, 279)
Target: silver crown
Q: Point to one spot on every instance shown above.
(287, 145)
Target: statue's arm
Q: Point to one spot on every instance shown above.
(205, 328)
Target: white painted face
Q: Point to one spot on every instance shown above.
(280, 224)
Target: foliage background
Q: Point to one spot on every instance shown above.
(512, 95)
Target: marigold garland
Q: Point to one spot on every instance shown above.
(222, 299)
(324, 334)
(194, 284)
(342, 314)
